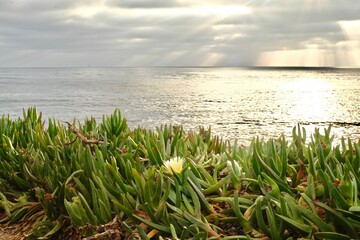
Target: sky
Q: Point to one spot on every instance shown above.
(140, 33)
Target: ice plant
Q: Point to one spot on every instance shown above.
(73, 181)
(174, 165)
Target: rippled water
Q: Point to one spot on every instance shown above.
(237, 103)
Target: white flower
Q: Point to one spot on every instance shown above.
(174, 165)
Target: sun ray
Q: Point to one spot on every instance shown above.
(349, 50)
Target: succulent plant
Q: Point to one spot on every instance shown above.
(89, 180)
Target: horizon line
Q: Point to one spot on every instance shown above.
(244, 67)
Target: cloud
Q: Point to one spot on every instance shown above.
(144, 3)
(175, 33)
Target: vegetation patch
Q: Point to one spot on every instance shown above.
(106, 181)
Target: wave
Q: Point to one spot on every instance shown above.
(332, 123)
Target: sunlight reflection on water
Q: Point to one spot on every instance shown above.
(313, 99)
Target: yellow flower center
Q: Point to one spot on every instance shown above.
(174, 165)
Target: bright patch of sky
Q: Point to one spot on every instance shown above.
(67, 33)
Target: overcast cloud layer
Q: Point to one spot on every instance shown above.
(68, 33)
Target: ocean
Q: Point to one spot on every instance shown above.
(237, 103)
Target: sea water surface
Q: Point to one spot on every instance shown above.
(237, 103)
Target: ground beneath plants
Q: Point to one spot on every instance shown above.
(13, 232)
